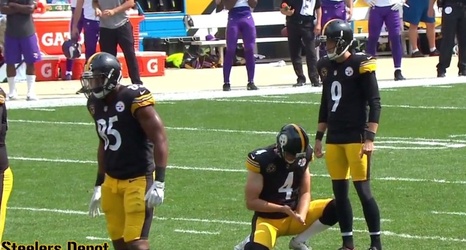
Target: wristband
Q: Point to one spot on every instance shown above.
(160, 174)
(100, 179)
(319, 135)
(369, 135)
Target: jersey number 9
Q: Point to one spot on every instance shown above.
(335, 91)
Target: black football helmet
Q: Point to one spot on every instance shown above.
(341, 33)
(102, 73)
(292, 139)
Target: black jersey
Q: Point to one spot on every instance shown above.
(281, 180)
(350, 97)
(128, 151)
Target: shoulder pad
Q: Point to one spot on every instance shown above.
(140, 97)
(367, 64)
(253, 162)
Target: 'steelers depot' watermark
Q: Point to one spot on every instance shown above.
(70, 245)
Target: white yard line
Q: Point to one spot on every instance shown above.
(448, 213)
(387, 233)
(212, 169)
(318, 103)
(185, 231)
(276, 90)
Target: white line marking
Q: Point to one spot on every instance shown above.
(449, 213)
(43, 109)
(318, 103)
(195, 232)
(96, 238)
(61, 211)
(406, 140)
(232, 170)
(388, 233)
(275, 90)
(458, 136)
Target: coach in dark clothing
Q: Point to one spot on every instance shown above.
(303, 24)
(453, 24)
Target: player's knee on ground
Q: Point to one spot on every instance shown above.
(329, 216)
(255, 246)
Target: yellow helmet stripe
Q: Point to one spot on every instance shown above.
(88, 64)
(326, 24)
(301, 136)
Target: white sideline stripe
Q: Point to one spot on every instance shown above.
(318, 103)
(449, 213)
(387, 233)
(195, 232)
(407, 139)
(66, 211)
(96, 238)
(276, 90)
(233, 170)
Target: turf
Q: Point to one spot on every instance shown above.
(418, 171)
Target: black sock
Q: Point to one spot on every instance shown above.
(375, 241)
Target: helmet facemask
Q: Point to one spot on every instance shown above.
(98, 84)
(338, 48)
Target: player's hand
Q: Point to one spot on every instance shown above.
(317, 29)
(318, 149)
(155, 195)
(349, 13)
(109, 12)
(98, 12)
(74, 33)
(94, 206)
(287, 210)
(398, 5)
(367, 148)
(286, 10)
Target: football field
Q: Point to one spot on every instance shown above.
(418, 171)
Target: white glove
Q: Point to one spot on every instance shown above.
(94, 206)
(371, 3)
(398, 5)
(155, 195)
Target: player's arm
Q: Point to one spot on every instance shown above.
(95, 5)
(78, 12)
(128, 4)
(254, 185)
(23, 8)
(304, 195)
(7, 10)
(431, 3)
(323, 115)
(349, 4)
(372, 95)
(253, 189)
(252, 3)
(100, 164)
(143, 110)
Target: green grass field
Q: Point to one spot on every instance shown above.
(418, 171)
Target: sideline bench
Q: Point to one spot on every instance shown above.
(268, 18)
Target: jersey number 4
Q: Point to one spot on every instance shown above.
(335, 92)
(287, 187)
(106, 129)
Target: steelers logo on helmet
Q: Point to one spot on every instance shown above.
(292, 143)
(282, 140)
